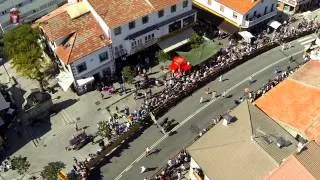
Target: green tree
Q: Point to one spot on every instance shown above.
(128, 74)
(162, 56)
(50, 171)
(23, 46)
(195, 40)
(21, 164)
(103, 129)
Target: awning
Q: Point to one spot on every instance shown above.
(84, 81)
(227, 27)
(65, 79)
(3, 103)
(274, 24)
(246, 35)
(175, 41)
(200, 54)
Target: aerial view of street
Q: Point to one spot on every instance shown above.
(159, 89)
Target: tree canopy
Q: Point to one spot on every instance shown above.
(50, 171)
(21, 164)
(103, 129)
(128, 74)
(195, 40)
(22, 45)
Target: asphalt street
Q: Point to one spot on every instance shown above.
(193, 116)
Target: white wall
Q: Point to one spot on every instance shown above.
(93, 63)
(260, 7)
(153, 19)
(228, 13)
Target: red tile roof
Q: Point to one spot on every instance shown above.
(241, 6)
(119, 12)
(304, 165)
(295, 103)
(290, 169)
(83, 34)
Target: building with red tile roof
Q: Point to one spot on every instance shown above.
(90, 35)
(303, 165)
(295, 102)
(242, 14)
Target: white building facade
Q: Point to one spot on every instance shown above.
(29, 9)
(241, 13)
(113, 39)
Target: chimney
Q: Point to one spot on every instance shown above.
(300, 147)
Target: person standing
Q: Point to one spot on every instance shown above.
(213, 95)
(220, 78)
(143, 169)
(148, 151)
(224, 94)
(201, 100)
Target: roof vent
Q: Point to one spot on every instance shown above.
(227, 119)
(300, 147)
(102, 37)
(281, 141)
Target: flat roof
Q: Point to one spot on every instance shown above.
(222, 150)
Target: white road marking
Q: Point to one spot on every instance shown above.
(306, 42)
(303, 39)
(201, 109)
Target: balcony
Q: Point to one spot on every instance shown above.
(140, 47)
(247, 24)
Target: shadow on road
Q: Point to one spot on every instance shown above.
(62, 105)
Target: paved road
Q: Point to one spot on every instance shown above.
(192, 116)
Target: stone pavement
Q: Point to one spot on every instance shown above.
(46, 141)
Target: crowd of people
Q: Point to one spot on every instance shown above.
(177, 85)
(175, 167)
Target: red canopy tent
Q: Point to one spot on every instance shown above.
(179, 64)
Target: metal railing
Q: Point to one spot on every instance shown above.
(247, 24)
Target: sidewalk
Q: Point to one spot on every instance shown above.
(46, 142)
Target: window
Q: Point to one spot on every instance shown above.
(132, 24)
(210, 2)
(82, 67)
(173, 8)
(185, 4)
(265, 10)
(160, 13)
(103, 56)
(272, 7)
(117, 31)
(235, 15)
(145, 19)
(221, 8)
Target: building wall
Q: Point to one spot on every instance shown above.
(93, 64)
(229, 13)
(29, 10)
(119, 40)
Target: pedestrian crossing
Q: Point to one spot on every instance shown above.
(306, 41)
(66, 117)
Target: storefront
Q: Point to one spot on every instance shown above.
(296, 6)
